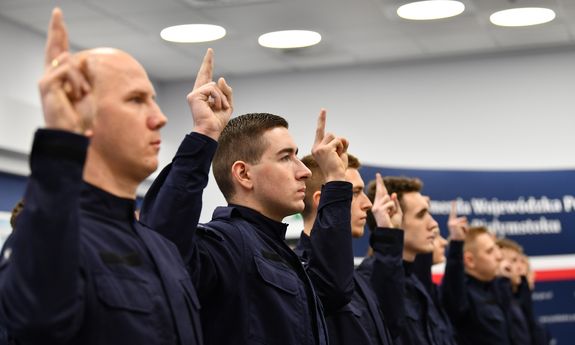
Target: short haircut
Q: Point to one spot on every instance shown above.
(505, 243)
(18, 208)
(242, 140)
(399, 185)
(317, 179)
(472, 234)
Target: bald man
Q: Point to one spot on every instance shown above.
(80, 268)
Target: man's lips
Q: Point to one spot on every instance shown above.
(156, 143)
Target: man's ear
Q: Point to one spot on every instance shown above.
(468, 260)
(241, 174)
(315, 197)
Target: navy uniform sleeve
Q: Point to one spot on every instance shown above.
(330, 255)
(302, 247)
(173, 204)
(503, 290)
(453, 289)
(40, 281)
(388, 277)
(526, 303)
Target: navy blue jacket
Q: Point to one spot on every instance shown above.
(80, 270)
(539, 334)
(360, 322)
(411, 314)
(253, 289)
(478, 310)
(422, 269)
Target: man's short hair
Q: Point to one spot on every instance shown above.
(505, 243)
(472, 234)
(317, 179)
(399, 185)
(16, 212)
(242, 140)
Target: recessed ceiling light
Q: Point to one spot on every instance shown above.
(193, 33)
(289, 39)
(430, 9)
(524, 16)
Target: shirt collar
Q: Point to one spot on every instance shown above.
(277, 229)
(99, 201)
(479, 283)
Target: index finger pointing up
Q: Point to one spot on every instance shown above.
(57, 41)
(205, 73)
(453, 213)
(380, 189)
(320, 131)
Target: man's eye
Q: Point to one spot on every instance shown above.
(137, 99)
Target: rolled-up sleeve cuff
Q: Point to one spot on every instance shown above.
(57, 144)
(387, 240)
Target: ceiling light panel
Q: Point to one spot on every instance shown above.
(289, 39)
(193, 33)
(430, 9)
(524, 16)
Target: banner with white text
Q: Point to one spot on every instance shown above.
(534, 208)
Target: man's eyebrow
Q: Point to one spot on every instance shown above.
(288, 150)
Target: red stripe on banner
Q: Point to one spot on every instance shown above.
(437, 278)
(554, 275)
(540, 276)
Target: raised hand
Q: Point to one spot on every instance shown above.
(386, 209)
(63, 83)
(329, 151)
(505, 268)
(211, 103)
(457, 225)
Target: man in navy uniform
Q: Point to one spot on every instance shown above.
(417, 320)
(476, 300)
(80, 269)
(252, 287)
(360, 322)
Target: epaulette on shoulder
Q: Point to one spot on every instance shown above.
(206, 231)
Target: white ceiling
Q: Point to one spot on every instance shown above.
(355, 32)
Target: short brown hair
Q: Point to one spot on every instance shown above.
(399, 185)
(317, 179)
(509, 244)
(242, 140)
(472, 234)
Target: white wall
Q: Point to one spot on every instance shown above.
(509, 111)
(21, 64)
(488, 112)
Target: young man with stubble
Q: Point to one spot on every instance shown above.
(253, 289)
(361, 321)
(417, 320)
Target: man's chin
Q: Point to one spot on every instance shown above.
(299, 207)
(357, 232)
(425, 250)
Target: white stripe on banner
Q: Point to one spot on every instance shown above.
(538, 263)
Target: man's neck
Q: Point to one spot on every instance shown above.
(100, 176)
(408, 255)
(477, 276)
(308, 225)
(249, 203)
